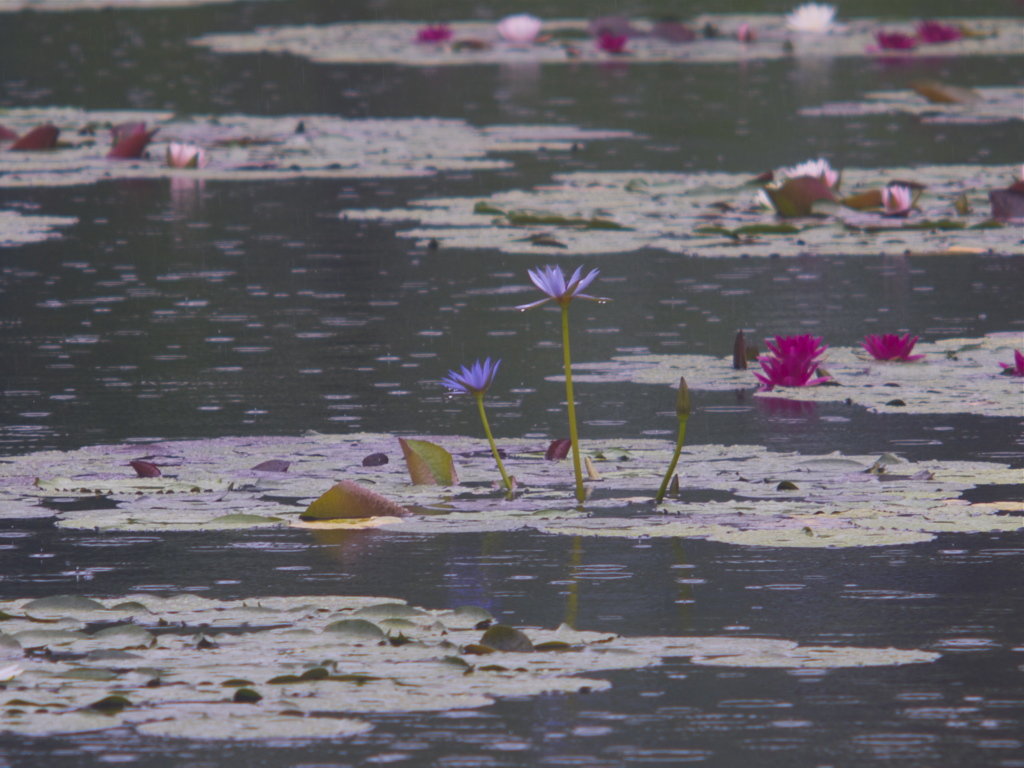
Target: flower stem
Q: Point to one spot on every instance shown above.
(490, 438)
(573, 436)
(675, 459)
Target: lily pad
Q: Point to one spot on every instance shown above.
(294, 690)
(682, 213)
(561, 43)
(843, 500)
(17, 228)
(249, 148)
(956, 376)
(933, 103)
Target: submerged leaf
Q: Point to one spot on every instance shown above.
(347, 499)
(428, 463)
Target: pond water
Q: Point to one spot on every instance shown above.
(206, 309)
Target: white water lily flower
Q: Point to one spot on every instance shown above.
(816, 169)
(519, 28)
(814, 18)
(186, 156)
(10, 672)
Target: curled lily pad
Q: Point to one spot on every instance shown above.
(503, 638)
(428, 463)
(347, 499)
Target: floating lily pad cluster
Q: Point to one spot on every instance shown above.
(568, 40)
(714, 214)
(933, 103)
(18, 228)
(12, 6)
(302, 667)
(211, 485)
(256, 148)
(955, 376)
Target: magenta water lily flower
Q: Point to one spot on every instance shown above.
(792, 361)
(1017, 369)
(475, 380)
(894, 41)
(434, 33)
(553, 283)
(934, 32)
(897, 200)
(889, 346)
(610, 43)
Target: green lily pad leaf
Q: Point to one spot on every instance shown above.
(124, 636)
(766, 229)
(36, 638)
(389, 611)
(485, 208)
(347, 500)
(111, 655)
(503, 638)
(935, 103)
(796, 197)
(61, 605)
(110, 705)
(428, 463)
(237, 682)
(246, 696)
(245, 521)
(356, 630)
(9, 647)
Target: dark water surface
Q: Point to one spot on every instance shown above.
(254, 309)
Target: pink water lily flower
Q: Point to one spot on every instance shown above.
(894, 41)
(520, 28)
(792, 361)
(815, 169)
(434, 33)
(1017, 369)
(889, 346)
(934, 32)
(897, 200)
(186, 156)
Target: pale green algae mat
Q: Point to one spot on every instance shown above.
(712, 214)
(566, 41)
(833, 500)
(248, 148)
(955, 376)
(301, 667)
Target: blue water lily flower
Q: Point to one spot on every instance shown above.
(475, 380)
(553, 283)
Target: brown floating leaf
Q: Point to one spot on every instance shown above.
(943, 93)
(273, 465)
(558, 449)
(348, 500)
(375, 460)
(428, 464)
(145, 468)
(40, 137)
(864, 200)
(504, 638)
(1008, 204)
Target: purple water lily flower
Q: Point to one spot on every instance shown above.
(1017, 369)
(792, 362)
(475, 380)
(889, 346)
(553, 283)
